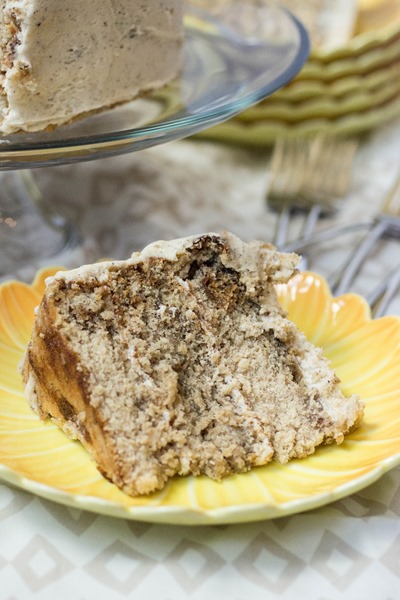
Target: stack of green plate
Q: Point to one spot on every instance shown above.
(346, 90)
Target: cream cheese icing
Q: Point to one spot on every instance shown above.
(64, 58)
(256, 260)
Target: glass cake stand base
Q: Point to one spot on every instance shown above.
(31, 231)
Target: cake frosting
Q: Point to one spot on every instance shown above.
(61, 59)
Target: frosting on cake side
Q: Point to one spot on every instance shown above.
(64, 58)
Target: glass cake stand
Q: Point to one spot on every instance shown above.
(230, 62)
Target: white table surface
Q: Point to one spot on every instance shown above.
(348, 550)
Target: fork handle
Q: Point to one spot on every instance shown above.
(325, 235)
(347, 274)
(380, 298)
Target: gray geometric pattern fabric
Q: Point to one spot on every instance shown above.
(40, 564)
(348, 550)
(191, 564)
(268, 564)
(338, 561)
(120, 567)
(328, 553)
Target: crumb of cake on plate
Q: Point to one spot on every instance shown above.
(180, 361)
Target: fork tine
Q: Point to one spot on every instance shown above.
(332, 159)
(276, 165)
(285, 182)
(307, 174)
(285, 175)
(343, 176)
(391, 205)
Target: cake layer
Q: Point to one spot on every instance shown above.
(61, 59)
(181, 361)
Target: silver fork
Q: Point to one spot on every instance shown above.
(385, 224)
(308, 175)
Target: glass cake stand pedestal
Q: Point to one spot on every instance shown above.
(231, 61)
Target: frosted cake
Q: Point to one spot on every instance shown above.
(62, 59)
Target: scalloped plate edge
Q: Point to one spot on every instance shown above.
(177, 515)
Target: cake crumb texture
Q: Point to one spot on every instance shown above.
(180, 361)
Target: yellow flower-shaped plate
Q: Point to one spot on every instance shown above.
(365, 353)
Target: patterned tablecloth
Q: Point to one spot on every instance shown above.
(348, 550)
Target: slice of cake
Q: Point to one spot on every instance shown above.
(180, 360)
(61, 59)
